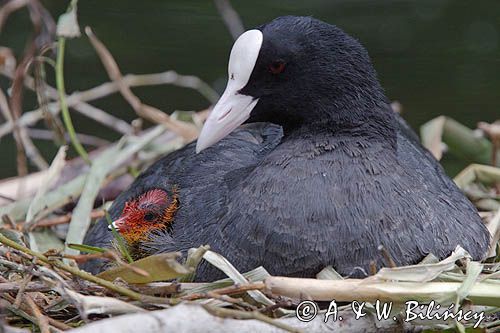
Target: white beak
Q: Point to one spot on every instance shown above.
(117, 224)
(233, 108)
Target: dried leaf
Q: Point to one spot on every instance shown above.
(51, 177)
(494, 229)
(100, 305)
(431, 134)
(422, 272)
(80, 219)
(484, 174)
(160, 267)
(44, 240)
(195, 255)
(473, 271)
(221, 263)
(328, 273)
(67, 25)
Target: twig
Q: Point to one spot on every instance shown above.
(230, 313)
(231, 290)
(62, 100)
(24, 144)
(7, 219)
(9, 8)
(26, 313)
(83, 108)
(103, 117)
(280, 303)
(12, 265)
(169, 77)
(63, 219)
(52, 122)
(187, 131)
(22, 288)
(9, 307)
(85, 139)
(369, 290)
(84, 275)
(27, 145)
(8, 287)
(235, 301)
(230, 17)
(42, 321)
(390, 262)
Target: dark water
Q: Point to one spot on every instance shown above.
(436, 57)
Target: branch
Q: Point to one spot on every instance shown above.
(84, 275)
(62, 99)
(369, 290)
(184, 129)
(83, 108)
(29, 147)
(169, 77)
(9, 8)
(230, 17)
(88, 140)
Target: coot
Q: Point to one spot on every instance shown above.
(329, 175)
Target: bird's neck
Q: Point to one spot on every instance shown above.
(351, 125)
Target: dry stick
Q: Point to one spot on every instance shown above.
(9, 307)
(235, 289)
(369, 289)
(108, 88)
(390, 262)
(103, 118)
(24, 145)
(12, 265)
(236, 314)
(43, 323)
(7, 287)
(83, 108)
(9, 8)
(52, 122)
(27, 311)
(20, 133)
(49, 222)
(22, 288)
(235, 301)
(8, 220)
(86, 276)
(187, 131)
(78, 98)
(88, 140)
(230, 17)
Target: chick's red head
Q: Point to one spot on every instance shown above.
(153, 210)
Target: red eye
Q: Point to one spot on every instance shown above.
(277, 66)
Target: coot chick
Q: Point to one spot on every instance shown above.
(179, 188)
(347, 176)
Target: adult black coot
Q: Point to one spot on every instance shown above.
(338, 175)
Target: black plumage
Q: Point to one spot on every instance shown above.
(338, 175)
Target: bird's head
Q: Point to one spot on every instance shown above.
(292, 71)
(153, 210)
